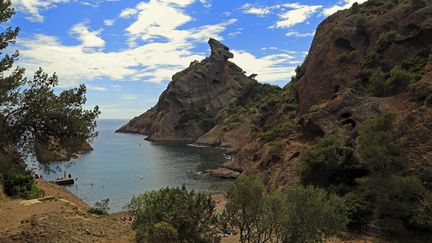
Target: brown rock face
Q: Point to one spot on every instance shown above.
(357, 35)
(188, 108)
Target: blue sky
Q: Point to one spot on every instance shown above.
(127, 51)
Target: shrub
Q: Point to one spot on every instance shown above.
(417, 4)
(399, 79)
(385, 40)
(331, 164)
(346, 57)
(362, 26)
(377, 85)
(359, 210)
(428, 101)
(378, 145)
(159, 232)
(305, 214)
(279, 131)
(20, 183)
(185, 212)
(372, 60)
(312, 215)
(100, 208)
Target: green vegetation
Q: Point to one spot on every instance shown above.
(385, 40)
(305, 214)
(176, 214)
(280, 130)
(362, 26)
(32, 113)
(379, 146)
(205, 120)
(100, 208)
(396, 80)
(372, 60)
(331, 164)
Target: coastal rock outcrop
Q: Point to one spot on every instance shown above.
(190, 106)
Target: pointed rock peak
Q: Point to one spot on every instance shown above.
(219, 51)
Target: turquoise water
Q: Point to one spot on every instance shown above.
(123, 165)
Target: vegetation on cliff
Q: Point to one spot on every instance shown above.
(32, 114)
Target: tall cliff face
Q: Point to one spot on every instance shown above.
(350, 44)
(189, 107)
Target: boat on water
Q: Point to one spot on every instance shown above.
(64, 181)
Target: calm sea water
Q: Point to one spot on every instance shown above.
(123, 165)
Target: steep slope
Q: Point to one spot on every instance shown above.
(189, 107)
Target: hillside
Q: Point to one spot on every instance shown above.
(356, 119)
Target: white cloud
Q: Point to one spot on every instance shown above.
(109, 22)
(259, 11)
(34, 7)
(168, 48)
(89, 39)
(206, 3)
(297, 14)
(96, 88)
(270, 68)
(129, 97)
(299, 34)
(346, 4)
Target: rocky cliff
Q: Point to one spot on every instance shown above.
(191, 104)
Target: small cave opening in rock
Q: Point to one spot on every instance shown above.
(344, 44)
(350, 122)
(336, 88)
(313, 131)
(215, 81)
(346, 115)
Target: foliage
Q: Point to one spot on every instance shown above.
(378, 145)
(401, 202)
(377, 85)
(346, 57)
(331, 162)
(245, 205)
(372, 60)
(100, 208)
(359, 209)
(398, 79)
(205, 119)
(362, 26)
(159, 232)
(31, 112)
(178, 213)
(305, 214)
(312, 215)
(280, 130)
(385, 40)
(417, 4)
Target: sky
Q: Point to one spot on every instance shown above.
(127, 51)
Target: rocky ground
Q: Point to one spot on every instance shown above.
(62, 217)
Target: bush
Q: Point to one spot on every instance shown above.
(173, 210)
(377, 85)
(372, 60)
(362, 26)
(20, 183)
(399, 79)
(100, 208)
(378, 145)
(305, 214)
(159, 232)
(359, 210)
(279, 131)
(428, 101)
(312, 215)
(331, 164)
(385, 40)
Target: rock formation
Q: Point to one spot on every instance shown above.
(189, 107)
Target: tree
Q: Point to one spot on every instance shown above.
(305, 214)
(245, 205)
(30, 111)
(312, 215)
(378, 145)
(176, 213)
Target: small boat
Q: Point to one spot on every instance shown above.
(64, 181)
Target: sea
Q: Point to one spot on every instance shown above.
(122, 165)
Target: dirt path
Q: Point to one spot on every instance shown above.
(63, 218)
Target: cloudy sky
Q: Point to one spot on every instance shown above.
(127, 51)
